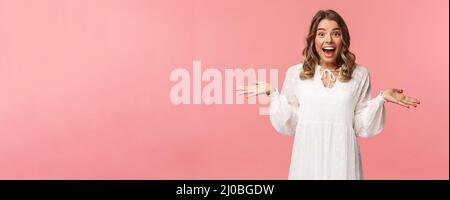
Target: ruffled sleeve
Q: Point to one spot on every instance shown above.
(369, 115)
(284, 107)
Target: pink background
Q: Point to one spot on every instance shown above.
(85, 86)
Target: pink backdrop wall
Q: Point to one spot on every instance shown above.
(85, 86)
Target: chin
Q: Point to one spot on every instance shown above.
(329, 60)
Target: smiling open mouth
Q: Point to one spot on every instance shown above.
(329, 51)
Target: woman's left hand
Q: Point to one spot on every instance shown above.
(396, 96)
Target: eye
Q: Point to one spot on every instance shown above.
(336, 34)
(321, 34)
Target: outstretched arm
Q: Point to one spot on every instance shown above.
(283, 106)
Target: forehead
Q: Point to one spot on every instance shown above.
(327, 24)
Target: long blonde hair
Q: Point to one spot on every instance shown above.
(346, 59)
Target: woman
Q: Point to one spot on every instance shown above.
(326, 103)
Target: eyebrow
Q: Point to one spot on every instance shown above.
(322, 29)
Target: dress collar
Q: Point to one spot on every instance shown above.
(328, 72)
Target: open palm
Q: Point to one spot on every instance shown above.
(254, 89)
(396, 96)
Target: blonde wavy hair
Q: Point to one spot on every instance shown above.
(346, 59)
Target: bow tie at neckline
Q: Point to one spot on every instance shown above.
(330, 74)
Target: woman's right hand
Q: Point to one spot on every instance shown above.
(255, 89)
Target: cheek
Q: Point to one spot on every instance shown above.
(339, 44)
(317, 42)
(318, 45)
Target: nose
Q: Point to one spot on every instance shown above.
(327, 38)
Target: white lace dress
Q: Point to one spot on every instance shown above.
(325, 122)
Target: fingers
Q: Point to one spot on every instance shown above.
(253, 83)
(402, 104)
(244, 88)
(247, 91)
(259, 82)
(412, 101)
(399, 90)
(252, 90)
(252, 94)
(407, 102)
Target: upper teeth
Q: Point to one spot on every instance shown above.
(328, 48)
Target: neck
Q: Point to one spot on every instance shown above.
(330, 66)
